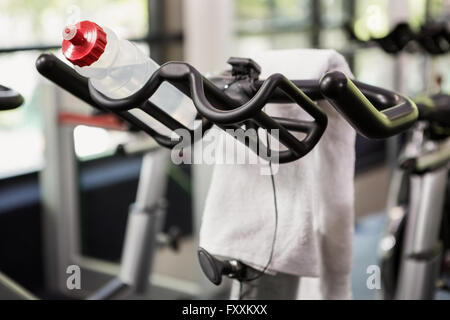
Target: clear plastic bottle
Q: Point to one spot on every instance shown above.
(117, 68)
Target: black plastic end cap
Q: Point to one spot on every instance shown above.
(332, 84)
(210, 266)
(45, 63)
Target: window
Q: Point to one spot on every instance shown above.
(283, 24)
(412, 73)
(40, 22)
(28, 27)
(334, 14)
(277, 24)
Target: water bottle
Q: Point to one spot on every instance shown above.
(117, 68)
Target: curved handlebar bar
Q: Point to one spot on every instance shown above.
(228, 113)
(374, 112)
(9, 99)
(371, 122)
(238, 102)
(185, 77)
(68, 79)
(435, 108)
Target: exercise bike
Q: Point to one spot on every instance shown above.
(413, 250)
(235, 100)
(9, 100)
(145, 219)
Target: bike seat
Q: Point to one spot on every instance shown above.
(435, 108)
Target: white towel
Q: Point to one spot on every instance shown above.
(315, 194)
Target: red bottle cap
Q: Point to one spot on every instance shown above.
(83, 43)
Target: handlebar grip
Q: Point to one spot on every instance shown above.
(9, 99)
(435, 108)
(68, 79)
(368, 120)
(65, 77)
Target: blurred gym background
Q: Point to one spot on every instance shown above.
(204, 33)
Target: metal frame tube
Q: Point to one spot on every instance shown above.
(145, 221)
(281, 286)
(421, 251)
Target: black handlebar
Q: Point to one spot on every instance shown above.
(218, 108)
(9, 99)
(68, 79)
(237, 101)
(374, 112)
(435, 108)
(371, 122)
(214, 105)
